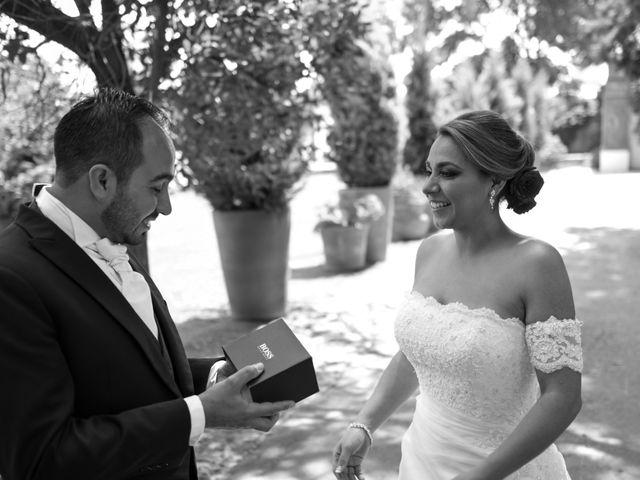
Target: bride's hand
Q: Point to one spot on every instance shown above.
(349, 454)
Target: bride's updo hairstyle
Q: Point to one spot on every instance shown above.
(487, 141)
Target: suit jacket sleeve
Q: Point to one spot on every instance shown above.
(40, 437)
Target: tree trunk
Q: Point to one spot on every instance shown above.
(102, 50)
(159, 63)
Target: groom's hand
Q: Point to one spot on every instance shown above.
(228, 404)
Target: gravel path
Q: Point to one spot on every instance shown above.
(345, 321)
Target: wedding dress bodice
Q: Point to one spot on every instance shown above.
(475, 362)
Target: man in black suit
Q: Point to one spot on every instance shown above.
(95, 382)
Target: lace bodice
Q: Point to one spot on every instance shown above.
(477, 362)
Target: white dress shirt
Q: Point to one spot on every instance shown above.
(83, 235)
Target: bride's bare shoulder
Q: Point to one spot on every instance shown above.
(533, 250)
(540, 260)
(434, 244)
(543, 280)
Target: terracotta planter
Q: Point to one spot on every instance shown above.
(254, 252)
(380, 231)
(345, 248)
(410, 218)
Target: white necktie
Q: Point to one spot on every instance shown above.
(134, 286)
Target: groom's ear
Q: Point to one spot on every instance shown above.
(103, 183)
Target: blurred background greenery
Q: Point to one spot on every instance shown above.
(261, 91)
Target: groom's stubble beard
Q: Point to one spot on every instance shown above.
(122, 220)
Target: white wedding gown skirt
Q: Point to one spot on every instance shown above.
(442, 443)
(477, 381)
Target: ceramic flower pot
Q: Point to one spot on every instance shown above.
(410, 218)
(345, 248)
(380, 231)
(254, 252)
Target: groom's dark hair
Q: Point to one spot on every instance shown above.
(103, 128)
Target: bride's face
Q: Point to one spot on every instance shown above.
(457, 190)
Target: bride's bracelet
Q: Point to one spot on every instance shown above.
(362, 426)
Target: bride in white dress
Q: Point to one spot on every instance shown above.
(488, 334)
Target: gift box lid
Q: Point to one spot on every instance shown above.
(288, 367)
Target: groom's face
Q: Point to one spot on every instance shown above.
(145, 195)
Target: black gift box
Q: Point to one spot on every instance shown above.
(288, 368)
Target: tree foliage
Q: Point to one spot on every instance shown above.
(428, 19)
(239, 111)
(357, 83)
(419, 104)
(32, 102)
(128, 44)
(102, 49)
(481, 83)
(595, 31)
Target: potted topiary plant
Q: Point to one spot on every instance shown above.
(411, 220)
(419, 104)
(240, 120)
(363, 141)
(344, 231)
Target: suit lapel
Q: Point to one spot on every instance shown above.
(63, 252)
(177, 356)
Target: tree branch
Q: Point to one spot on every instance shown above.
(102, 50)
(110, 16)
(83, 8)
(158, 54)
(51, 23)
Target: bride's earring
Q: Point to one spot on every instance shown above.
(492, 199)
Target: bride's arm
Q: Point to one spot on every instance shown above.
(397, 383)
(398, 380)
(547, 295)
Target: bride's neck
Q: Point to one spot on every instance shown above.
(481, 238)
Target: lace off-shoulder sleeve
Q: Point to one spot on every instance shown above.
(555, 344)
